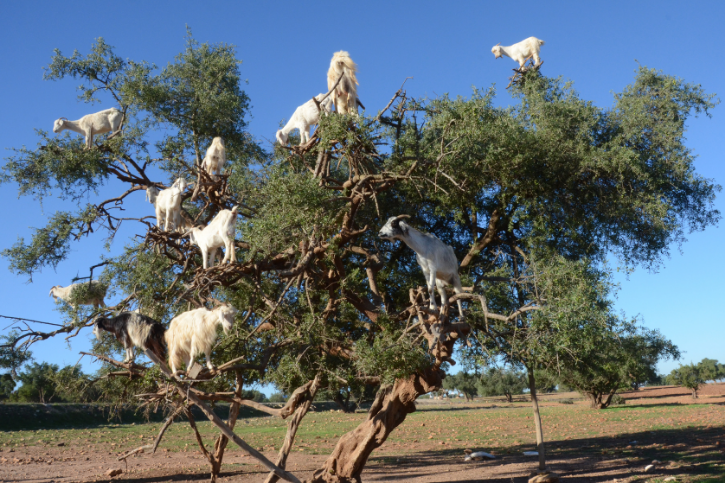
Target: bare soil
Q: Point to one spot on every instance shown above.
(584, 445)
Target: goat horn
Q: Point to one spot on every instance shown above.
(400, 217)
(497, 44)
(63, 118)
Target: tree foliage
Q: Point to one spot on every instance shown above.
(532, 198)
(502, 382)
(689, 376)
(462, 382)
(623, 358)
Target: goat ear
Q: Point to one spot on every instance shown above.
(497, 44)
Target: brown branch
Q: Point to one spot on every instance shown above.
(216, 421)
(400, 93)
(293, 424)
(484, 240)
(199, 440)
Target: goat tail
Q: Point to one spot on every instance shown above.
(541, 42)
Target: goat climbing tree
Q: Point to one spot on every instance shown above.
(531, 198)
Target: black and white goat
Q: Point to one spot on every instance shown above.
(132, 329)
(437, 260)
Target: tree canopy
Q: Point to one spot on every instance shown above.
(533, 198)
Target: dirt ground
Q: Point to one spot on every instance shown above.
(686, 436)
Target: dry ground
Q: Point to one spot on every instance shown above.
(585, 445)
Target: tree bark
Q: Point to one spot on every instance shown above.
(343, 403)
(221, 442)
(537, 421)
(292, 425)
(391, 406)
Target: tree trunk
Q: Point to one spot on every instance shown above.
(595, 400)
(509, 397)
(390, 408)
(292, 425)
(537, 421)
(343, 403)
(605, 404)
(694, 393)
(221, 442)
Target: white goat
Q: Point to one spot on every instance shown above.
(133, 329)
(93, 296)
(90, 124)
(521, 51)
(194, 332)
(345, 95)
(216, 157)
(436, 259)
(168, 204)
(304, 117)
(219, 233)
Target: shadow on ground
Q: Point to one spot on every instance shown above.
(690, 452)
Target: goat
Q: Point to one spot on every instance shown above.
(133, 329)
(216, 157)
(90, 124)
(436, 259)
(220, 232)
(345, 94)
(194, 332)
(93, 296)
(168, 203)
(304, 117)
(521, 51)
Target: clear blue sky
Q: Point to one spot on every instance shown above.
(445, 46)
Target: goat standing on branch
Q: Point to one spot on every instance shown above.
(168, 204)
(90, 124)
(345, 94)
(521, 52)
(219, 233)
(194, 332)
(304, 117)
(133, 330)
(81, 293)
(437, 260)
(216, 157)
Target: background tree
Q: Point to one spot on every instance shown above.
(462, 382)
(689, 376)
(623, 358)
(502, 382)
(38, 383)
(711, 369)
(7, 384)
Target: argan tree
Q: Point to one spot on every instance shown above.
(531, 198)
(616, 360)
(689, 376)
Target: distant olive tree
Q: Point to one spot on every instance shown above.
(502, 382)
(621, 359)
(462, 382)
(689, 376)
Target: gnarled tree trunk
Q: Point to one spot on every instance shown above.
(221, 442)
(389, 410)
(344, 403)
